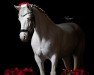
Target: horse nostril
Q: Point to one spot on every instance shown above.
(24, 37)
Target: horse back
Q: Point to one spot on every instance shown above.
(71, 28)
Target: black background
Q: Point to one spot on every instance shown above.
(14, 53)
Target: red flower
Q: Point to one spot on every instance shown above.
(64, 72)
(25, 69)
(71, 72)
(7, 72)
(74, 72)
(82, 71)
(16, 71)
(67, 71)
(21, 72)
(30, 70)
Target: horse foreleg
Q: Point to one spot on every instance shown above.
(40, 64)
(53, 65)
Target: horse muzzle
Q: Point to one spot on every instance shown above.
(24, 36)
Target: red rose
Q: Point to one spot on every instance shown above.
(30, 70)
(7, 72)
(16, 71)
(64, 72)
(25, 69)
(21, 72)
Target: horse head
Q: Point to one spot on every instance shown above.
(26, 18)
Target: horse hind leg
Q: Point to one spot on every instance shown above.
(78, 61)
(78, 56)
(67, 62)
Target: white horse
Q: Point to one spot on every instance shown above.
(49, 40)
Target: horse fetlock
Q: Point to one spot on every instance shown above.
(53, 73)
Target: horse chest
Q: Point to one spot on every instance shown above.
(40, 47)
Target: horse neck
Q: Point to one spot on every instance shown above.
(43, 23)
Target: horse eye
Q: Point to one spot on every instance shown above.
(22, 15)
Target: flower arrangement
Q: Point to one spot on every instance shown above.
(16, 71)
(74, 72)
(30, 71)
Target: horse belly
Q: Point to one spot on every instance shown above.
(68, 44)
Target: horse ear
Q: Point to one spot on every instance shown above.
(17, 7)
(29, 6)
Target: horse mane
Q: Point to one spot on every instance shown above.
(40, 9)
